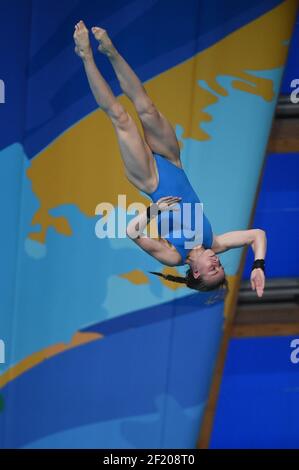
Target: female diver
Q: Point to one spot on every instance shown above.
(153, 165)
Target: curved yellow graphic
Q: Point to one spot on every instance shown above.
(40, 356)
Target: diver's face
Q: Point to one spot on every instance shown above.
(207, 265)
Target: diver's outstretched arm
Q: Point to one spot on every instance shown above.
(257, 239)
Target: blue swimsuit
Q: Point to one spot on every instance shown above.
(173, 181)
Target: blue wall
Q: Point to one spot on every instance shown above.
(258, 404)
(277, 212)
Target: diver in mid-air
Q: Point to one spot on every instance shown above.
(153, 165)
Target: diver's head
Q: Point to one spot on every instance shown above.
(204, 274)
(205, 268)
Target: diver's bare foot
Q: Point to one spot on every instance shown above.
(81, 38)
(105, 44)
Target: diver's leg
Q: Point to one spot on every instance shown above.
(136, 154)
(158, 132)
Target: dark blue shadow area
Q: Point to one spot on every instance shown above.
(155, 314)
(277, 212)
(258, 403)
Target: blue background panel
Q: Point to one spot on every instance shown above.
(277, 213)
(258, 403)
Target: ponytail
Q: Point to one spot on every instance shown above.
(170, 277)
(196, 284)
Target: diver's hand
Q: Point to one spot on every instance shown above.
(257, 280)
(168, 203)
